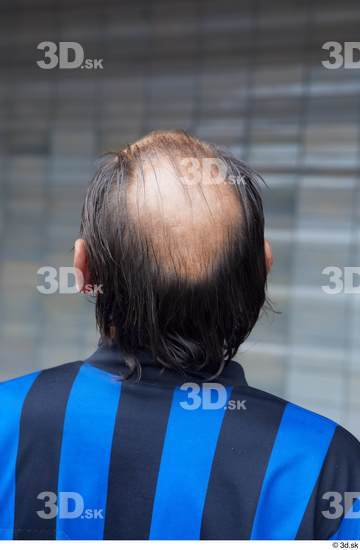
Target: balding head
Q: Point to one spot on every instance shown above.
(173, 231)
(179, 206)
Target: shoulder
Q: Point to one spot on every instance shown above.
(346, 439)
(344, 454)
(16, 389)
(295, 422)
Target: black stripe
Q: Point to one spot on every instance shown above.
(135, 459)
(241, 458)
(340, 473)
(39, 450)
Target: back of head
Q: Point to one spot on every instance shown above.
(174, 233)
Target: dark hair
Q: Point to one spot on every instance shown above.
(188, 325)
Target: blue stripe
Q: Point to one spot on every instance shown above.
(187, 457)
(85, 452)
(350, 526)
(295, 463)
(12, 396)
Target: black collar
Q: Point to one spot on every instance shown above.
(111, 359)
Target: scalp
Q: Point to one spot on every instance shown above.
(185, 216)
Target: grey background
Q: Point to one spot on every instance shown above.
(244, 74)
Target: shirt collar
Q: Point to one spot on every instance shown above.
(111, 359)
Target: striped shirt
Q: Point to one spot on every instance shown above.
(87, 454)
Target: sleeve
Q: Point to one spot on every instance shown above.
(337, 514)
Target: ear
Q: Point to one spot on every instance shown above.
(268, 256)
(82, 274)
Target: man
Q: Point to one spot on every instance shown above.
(157, 435)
